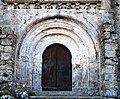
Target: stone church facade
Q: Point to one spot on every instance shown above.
(88, 29)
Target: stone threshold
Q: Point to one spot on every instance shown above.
(63, 95)
(66, 97)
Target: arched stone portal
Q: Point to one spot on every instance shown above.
(81, 42)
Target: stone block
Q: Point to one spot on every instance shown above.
(7, 22)
(10, 77)
(107, 35)
(10, 63)
(110, 46)
(109, 77)
(2, 36)
(8, 29)
(10, 71)
(6, 67)
(114, 36)
(108, 40)
(109, 62)
(109, 69)
(8, 49)
(10, 37)
(6, 42)
(110, 93)
(3, 67)
(92, 91)
(105, 85)
(1, 48)
(109, 54)
(6, 56)
(84, 91)
(94, 84)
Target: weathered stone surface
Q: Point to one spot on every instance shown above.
(117, 29)
(8, 49)
(2, 36)
(8, 41)
(6, 67)
(2, 62)
(78, 27)
(1, 48)
(10, 63)
(7, 30)
(110, 93)
(110, 46)
(110, 77)
(114, 36)
(107, 35)
(109, 54)
(109, 69)
(110, 62)
(6, 56)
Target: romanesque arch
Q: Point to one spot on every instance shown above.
(76, 36)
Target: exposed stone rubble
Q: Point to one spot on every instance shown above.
(14, 90)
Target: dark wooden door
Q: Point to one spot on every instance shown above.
(56, 69)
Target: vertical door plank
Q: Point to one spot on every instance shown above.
(64, 69)
(49, 69)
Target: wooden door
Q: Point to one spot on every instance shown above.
(56, 69)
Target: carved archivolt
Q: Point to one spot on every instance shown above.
(71, 34)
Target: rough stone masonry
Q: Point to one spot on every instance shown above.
(90, 29)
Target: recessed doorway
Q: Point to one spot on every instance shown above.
(56, 68)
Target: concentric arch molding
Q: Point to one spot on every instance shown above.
(70, 33)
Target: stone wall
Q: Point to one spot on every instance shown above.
(7, 46)
(86, 29)
(116, 5)
(109, 47)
